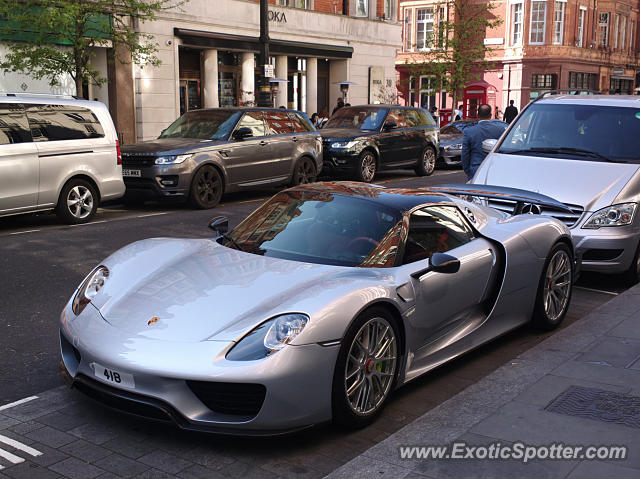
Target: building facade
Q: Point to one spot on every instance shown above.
(540, 45)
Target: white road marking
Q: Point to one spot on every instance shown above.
(18, 402)
(87, 224)
(18, 445)
(153, 214)
(10, 457)
(597, 290)
(22, 232)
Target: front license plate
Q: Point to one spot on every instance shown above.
(127, 172)
(112, 376)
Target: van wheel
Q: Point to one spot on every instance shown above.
(206, 188)
(304, 172)
(77, 203)
(427, 162)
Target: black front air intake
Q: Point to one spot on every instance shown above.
(238, 399)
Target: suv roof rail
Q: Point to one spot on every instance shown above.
(570, 91)
(44, 95)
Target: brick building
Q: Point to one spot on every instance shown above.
(541, 45)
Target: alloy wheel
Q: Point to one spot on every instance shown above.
(557, 285)
(429, 161)
(368, 167)
(208, 186)
(80, 202)
(371, 366)
(305, 172)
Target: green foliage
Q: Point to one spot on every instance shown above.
(50, 38)
(457, 45)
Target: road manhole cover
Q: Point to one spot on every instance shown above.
(598, 404)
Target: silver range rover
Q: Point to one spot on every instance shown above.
(581, 150)
(205, 153)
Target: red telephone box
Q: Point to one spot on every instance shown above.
(475, 94)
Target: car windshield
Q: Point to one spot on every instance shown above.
(319, 227)
(576, 131)
(457, 127)
(361, 118)
(203, 125)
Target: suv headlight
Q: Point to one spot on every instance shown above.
(268, 338)
(616, 215)
(173, 159)
(344, 144)
(89, 288)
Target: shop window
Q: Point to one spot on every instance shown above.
(621, 86)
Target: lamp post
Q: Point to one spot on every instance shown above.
(264, 91)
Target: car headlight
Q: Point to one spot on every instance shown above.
(344, 144)
(173, 159)
(616, 215)
(455, 146)
(268, 338)
(89, 288)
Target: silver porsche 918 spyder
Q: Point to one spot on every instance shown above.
(316, 307)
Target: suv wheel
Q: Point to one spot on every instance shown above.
(304, 172)
(206, 188)
(366, 170)
(78, 202)
(427, 162)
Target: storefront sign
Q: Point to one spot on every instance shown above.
(493, 41)
(268, 71)
(618, 71)
(278, 17)
(376, 85)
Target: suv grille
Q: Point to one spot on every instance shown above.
(239, 399)
(137, 161)
(567, 218)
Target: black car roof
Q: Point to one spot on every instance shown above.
(400, 199)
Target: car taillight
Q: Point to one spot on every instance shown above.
(118, 153)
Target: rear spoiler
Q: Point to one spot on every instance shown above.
(521, 197)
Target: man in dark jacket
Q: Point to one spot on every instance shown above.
(472, 154)
(510, 112)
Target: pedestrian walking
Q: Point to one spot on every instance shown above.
(510, 112)
(472, 153)
(457, 114)
(434, 113)
(323, 117)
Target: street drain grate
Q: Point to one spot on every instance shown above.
(598, 404)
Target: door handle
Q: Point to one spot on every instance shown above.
(263, 143)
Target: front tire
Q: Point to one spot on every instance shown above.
(427, 163)
(367, 368)
(78, 202)
(366, 170)
(304, 173)
(206, 188)
(554, 288)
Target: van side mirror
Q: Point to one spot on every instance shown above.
(242, 133)
(487, 145)
(219, 224)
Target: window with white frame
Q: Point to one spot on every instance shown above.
(424, 28)
(538, 20)
(558, 22)
(581, 20)
(408, 30)
(623, 32)
(616, 30)
(427, 92)
(517, 10)
(603, 29)
(306, 4)
(441, 27)
(388, 8)
(362, 8)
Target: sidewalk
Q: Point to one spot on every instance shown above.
(579, 387)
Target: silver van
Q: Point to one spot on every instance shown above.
(57, 153)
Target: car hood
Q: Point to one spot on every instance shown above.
(168, 146)
(450, 138)
(194, 290)
(343, 133)
(590, 184)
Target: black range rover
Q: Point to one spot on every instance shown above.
(360, 140)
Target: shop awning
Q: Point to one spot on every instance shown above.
(224, 41)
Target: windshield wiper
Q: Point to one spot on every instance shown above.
(559, 150)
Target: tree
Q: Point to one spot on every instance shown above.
(456, 46)
(50, 38)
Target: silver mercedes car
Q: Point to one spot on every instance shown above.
(581, 150)
(316, 307)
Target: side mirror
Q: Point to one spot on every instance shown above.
(219, 224)
(487, 145)
(242, 133)
(440, 263)
(390, 125)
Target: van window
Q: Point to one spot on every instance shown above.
(63, 122)
(14, 127)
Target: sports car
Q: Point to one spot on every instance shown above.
(314, 308)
